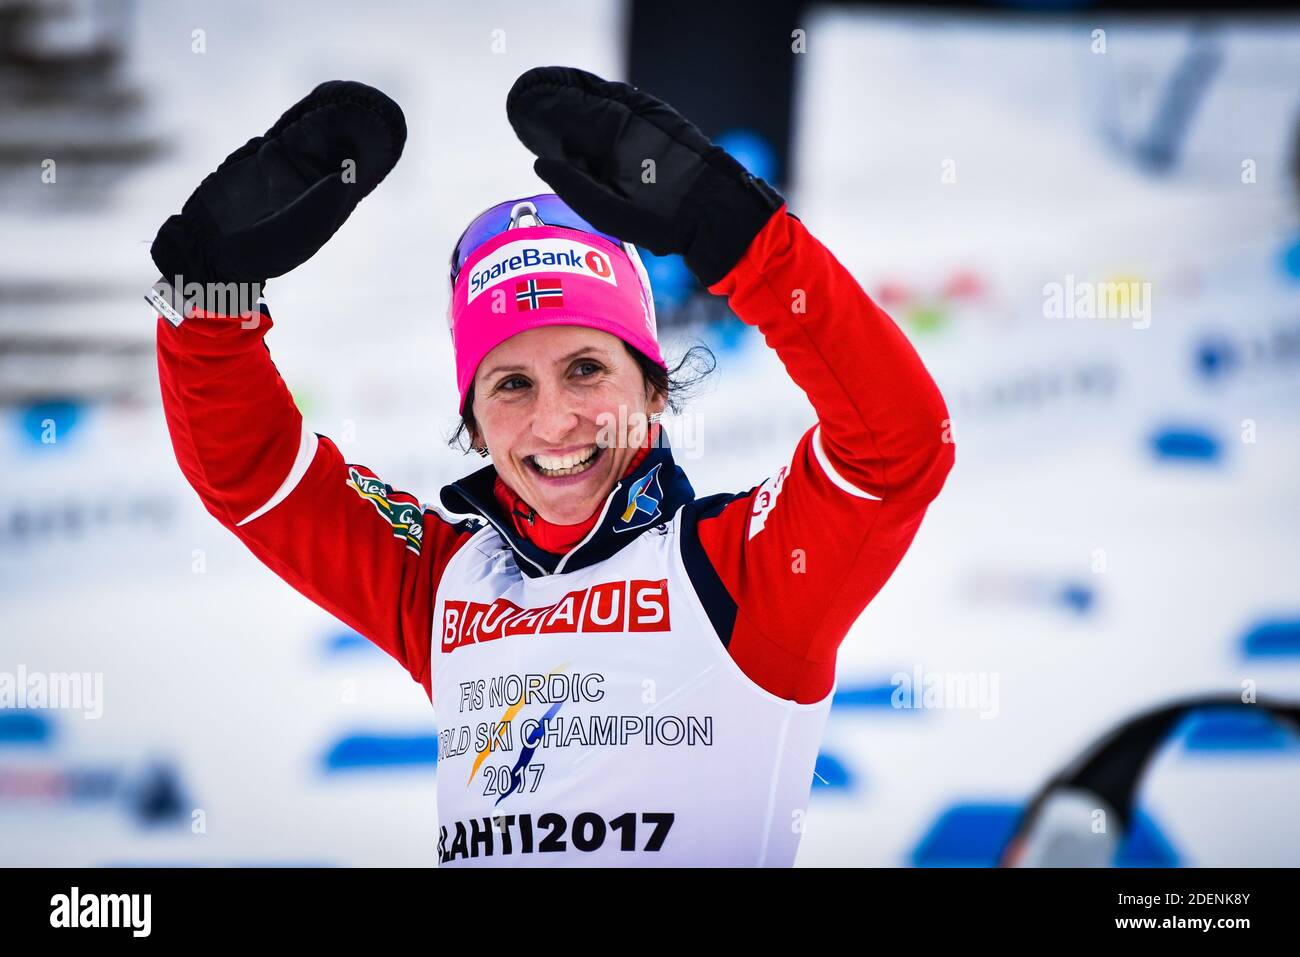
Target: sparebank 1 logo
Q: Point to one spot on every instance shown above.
(516, 259)
(530, 742)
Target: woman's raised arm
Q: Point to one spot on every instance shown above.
(368, 555)
(799, 557)
(804, 553)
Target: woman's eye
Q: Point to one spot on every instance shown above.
(586, 367)
(509, 385)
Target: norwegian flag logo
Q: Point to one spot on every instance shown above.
(539, 294)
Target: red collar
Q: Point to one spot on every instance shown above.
(549, 536)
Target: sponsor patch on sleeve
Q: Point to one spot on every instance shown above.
(401, 510)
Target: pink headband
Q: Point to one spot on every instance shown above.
(534, 276)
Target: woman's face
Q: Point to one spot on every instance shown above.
(562, 410)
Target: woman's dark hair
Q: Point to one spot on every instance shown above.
(677, 385)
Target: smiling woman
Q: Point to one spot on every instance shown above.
(582, 549)
(565, 389)
(675, 384)
(549, 409)
(564, 412)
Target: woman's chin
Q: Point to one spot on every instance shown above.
(567, 509)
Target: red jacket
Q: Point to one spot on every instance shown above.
(797, 557)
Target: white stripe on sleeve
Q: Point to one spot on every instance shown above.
(838, 480)
(303, 460)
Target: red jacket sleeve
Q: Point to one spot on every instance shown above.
(365, 553)
(804, 553)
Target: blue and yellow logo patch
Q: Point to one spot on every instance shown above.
(643, 498)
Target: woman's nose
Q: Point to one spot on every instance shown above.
(553, 415)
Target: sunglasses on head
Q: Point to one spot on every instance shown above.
(545, 209)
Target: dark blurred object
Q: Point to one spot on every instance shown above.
(728, 66)
(1159, 147)
(1066, 824)
(156, 797)
(64, 97)
(73, 127)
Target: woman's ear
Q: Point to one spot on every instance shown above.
(658, 401)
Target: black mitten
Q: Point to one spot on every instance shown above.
(593, 138)
(279, 197)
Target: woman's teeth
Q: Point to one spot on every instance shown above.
(558, 465)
